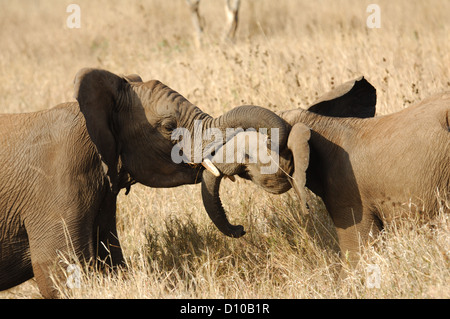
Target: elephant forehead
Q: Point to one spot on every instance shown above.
(166, 109)
(154, 114)
(157, 98)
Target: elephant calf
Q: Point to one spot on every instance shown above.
(371, 171)
(368, 171)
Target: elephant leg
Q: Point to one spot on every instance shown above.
(106, 244)
(355, 231)
(15, 262)
(42, 271)
(349, 242)
(52, 241)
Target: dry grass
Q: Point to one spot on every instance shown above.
(287, 53)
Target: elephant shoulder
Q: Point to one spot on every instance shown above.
(65, 119)
(64, 128)
(69, 141)
(65, 111)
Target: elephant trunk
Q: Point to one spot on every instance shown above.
(247, 116)
(214, 208)
(252, 116)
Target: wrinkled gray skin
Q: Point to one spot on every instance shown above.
(62, 169)
(367, 171)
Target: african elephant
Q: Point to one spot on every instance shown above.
(62, 168)
(368, 171)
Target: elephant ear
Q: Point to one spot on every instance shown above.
(356, 98)
(132, 78)
(97, 93)
(298, 144)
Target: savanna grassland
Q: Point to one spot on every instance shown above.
(286, 54)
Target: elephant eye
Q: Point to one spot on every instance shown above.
(169, 125)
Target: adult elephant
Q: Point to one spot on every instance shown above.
(367, 171)
(62, 168)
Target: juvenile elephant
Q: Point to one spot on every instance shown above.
(367, 171)
(370, 171)
(62, 168)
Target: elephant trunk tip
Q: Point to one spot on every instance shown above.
(237, 231)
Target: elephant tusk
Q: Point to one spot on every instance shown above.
(231, 178)
(211, 167)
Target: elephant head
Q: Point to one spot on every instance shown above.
(355, 98)
(132, 125)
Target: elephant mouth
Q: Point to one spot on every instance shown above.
(195, 170)
(198, 169)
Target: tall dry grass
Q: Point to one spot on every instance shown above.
(287, 53)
